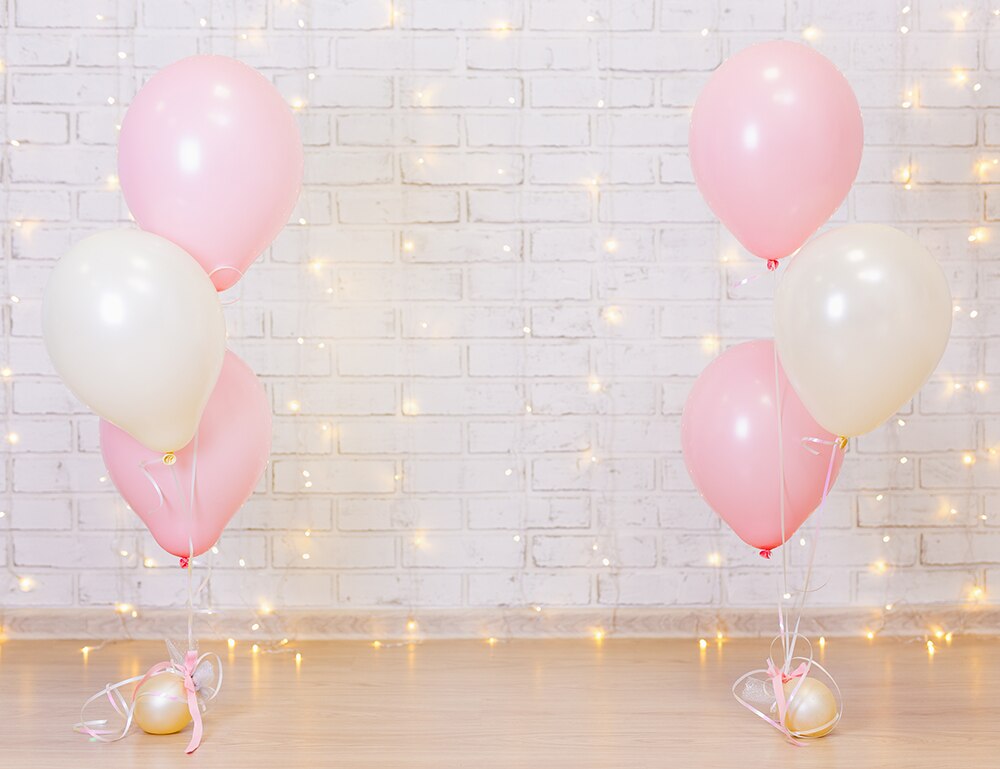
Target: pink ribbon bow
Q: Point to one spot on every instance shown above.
(778, 680)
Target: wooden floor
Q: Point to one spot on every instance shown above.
(539, 703)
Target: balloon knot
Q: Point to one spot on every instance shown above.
(766, 553)
(184, 562)
(772, 265)
(842, 442)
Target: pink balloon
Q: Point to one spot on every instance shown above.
(775, 144)
(232, 444)
(729, 433)
(210, 157)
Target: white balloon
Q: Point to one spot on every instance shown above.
(135, 328)
(862, 316)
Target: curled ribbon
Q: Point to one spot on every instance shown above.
(238, 271)
(764, 688)
(196, 672)
(778, 680)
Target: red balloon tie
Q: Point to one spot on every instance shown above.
(765, 554)
(184, 562)
(772, 265)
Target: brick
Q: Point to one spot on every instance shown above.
(527, 52)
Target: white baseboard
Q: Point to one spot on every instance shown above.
(629, 622)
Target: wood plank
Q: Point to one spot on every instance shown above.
(540, 703)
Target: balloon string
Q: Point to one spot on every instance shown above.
(189, 512)
(781, 504)
(835, 446)
(238, 271)
(772, 265)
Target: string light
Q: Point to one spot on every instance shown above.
(612, 315)
(811, 33)
(930, 648)
(702, 644)
(231, 643)
(599, 634)
(714, 559)
(255, 648)
(376, 644)
(26, 584)
(870, 635)
(822, 641)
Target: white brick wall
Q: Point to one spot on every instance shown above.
(479, 328)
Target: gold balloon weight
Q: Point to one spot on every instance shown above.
(161, 705)
(164, 700)
(798, 697)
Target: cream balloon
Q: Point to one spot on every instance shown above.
(862, 316)
(135, 328)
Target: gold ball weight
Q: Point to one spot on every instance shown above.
(811, 712)
(161, 704)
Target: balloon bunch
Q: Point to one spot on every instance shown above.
(862, 317)
(210, 163)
